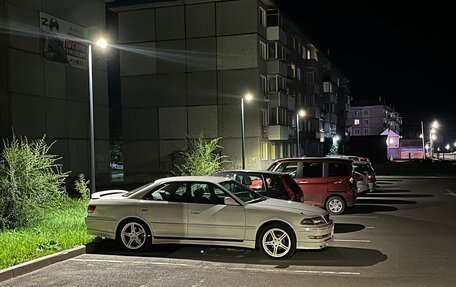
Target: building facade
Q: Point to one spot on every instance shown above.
(373, 120)
(44, 89)
(185, 65)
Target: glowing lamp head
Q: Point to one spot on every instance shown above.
(302, 113)
(435, 125)
(336, 138)
(248, 97)
(102, 43)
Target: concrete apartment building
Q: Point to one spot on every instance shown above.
(373, 120)
(185, 65)
(43, 91)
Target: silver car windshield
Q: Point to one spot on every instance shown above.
(242, 192)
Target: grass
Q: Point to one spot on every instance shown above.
(59, 228)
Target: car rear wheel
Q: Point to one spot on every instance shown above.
(278, 241)
(134, 236)
(335, 205)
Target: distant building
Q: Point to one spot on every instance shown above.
(373, 120)
(186, 64)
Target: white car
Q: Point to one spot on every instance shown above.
(209, 211)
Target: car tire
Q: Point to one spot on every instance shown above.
(277, 241)
(134, 235)
(335, 205)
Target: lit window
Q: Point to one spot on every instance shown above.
(264, 151)
(356, 123)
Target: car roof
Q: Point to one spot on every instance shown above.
(314, 158)
(211, 179)
(252, 171)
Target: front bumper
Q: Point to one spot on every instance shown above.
(315, 237)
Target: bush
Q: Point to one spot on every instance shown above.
(30, 180)
(203, 157)
(81, 186)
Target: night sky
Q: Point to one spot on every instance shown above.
(402, 53)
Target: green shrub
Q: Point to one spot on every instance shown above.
(30, 180)
(202, 157)
(81, 186)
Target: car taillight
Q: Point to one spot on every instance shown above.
(91, 208)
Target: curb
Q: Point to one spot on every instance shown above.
(35, 264)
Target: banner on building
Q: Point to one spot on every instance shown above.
(61, 41)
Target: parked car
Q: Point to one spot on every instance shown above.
(362, 180)
(210, 211)
(365, 167)
(267, 183)
(325, 182)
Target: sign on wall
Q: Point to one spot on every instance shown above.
(60, 41)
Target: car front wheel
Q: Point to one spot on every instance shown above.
(335, 205)
(278, 241)
(134, 236)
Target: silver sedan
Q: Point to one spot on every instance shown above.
(207, 211)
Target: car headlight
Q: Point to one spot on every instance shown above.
(313, 221)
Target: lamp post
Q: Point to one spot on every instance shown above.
(247, 97)
(432, 137)
(102, 44)
(301, 113)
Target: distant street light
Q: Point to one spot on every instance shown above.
(102, 43)
(302, 114)
(247, 97)
(447, 147)
(435, 125)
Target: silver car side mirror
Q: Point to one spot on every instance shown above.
(230, 201)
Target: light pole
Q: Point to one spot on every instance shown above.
(301, 113)
(102, 44)
(432, 137)
(247, 97)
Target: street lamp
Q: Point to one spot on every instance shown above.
(300, 113)
(247, 97)
(102, 44)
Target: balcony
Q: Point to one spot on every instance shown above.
(291, 103)
(276, 66)
(329, 98)
(330, 118)
(280, 133)
(275, 33)
(277, 99)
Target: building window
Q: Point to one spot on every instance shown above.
(298, 73)
(263, 51)
(310, 77)
(262, 17)
(308, 54)
(264, 151)
(277, 83)
(366, 131)
(264, 118)
(356, 113)
(365, 112)
(327, 87)
(356, 122)
(366, 121)
(293, 71)
(264, 85)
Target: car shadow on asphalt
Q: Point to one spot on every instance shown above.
(329, 257)
(384, 201)
(383, 191)
(347, 227)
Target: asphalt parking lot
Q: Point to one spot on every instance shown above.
(401, 235)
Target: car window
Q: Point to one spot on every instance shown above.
(200, 193)
(312, 169)
(338, 169)
(241, 191)
(288, 167)
(173, 192)
(254, 182)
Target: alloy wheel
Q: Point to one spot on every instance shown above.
(276, 242)
(133, 235)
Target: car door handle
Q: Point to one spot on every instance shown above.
(143, 209)
(195, 211)
(301, 182)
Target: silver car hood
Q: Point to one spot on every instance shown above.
(289, 206)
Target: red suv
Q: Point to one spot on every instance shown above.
(325, 182)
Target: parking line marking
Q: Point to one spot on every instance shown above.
(370, 227)
(354, 216)
(311, 272)
(352, 240)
